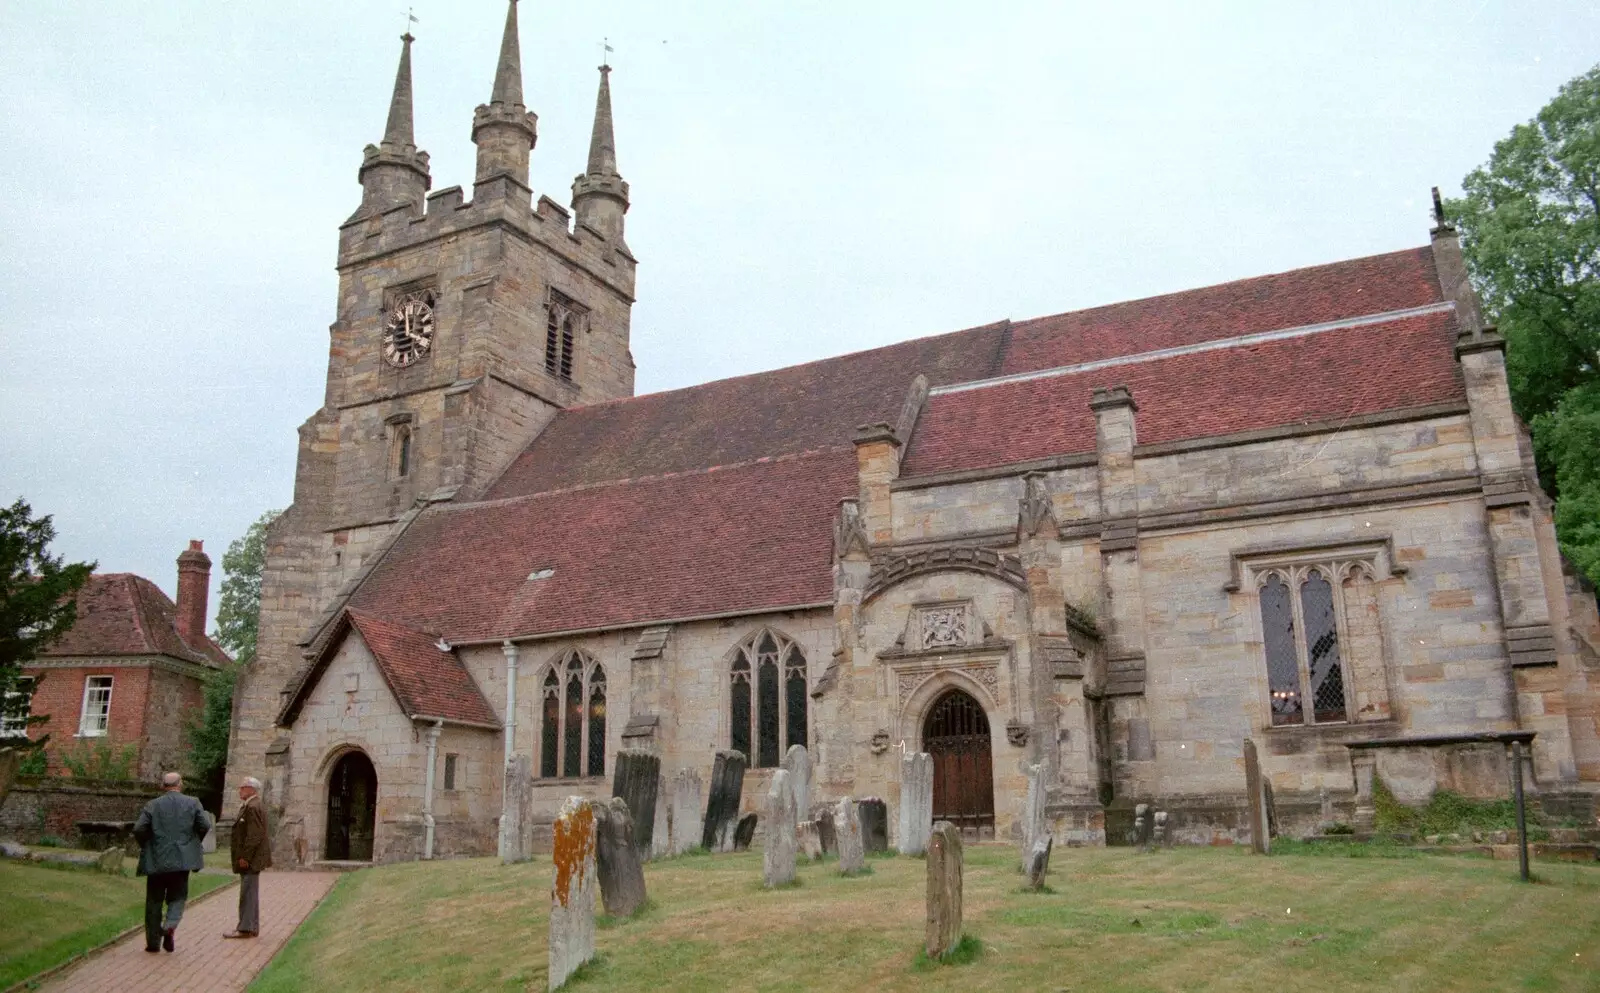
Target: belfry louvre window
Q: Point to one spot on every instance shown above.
(1323, 643)
(564, 319)
(767, 698)
(572, 715)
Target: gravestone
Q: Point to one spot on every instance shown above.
(636, 779)
(943, 930)
(516, 817)
(916, 802)
(1159, 836)
(208, 844)
(722, 809)
(1142, 826)
(874, 815)
(1033, 820)
(847, 832)
(807, 840)
(827, 828)
(777, 858)
(687, 825)
(110, 861)
(572, 886)
(797, 763)
(1256, 794)
(745, 832)
(661, 831)
(1039, 862)
(617, 859)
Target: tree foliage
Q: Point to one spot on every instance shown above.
(1530, 222)
(38, 598)
(237, 615)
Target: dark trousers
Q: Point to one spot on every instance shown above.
(249, 902)
(170, 888)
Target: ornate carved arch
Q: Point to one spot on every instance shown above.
(922, 695)
(896, 569)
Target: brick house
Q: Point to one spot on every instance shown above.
(1113, 545)
(131, 669)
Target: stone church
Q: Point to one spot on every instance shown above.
(1115, 543)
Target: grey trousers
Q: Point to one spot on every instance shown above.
(250, 902)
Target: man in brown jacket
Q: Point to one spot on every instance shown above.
(250, 852)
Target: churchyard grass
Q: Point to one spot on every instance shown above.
(51, 912)
(1118, 921)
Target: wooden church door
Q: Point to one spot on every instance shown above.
(956, 735)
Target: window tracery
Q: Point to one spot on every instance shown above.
(1319, 629)
(777, 668)
(572, 733)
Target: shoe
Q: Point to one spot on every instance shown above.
(166, 938)
(240, 934)
(155, 949)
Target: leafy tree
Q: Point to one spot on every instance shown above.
(237, 616)
(38, 599)
(1530, 222)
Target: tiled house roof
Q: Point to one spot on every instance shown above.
(123, 614)
(718, 499)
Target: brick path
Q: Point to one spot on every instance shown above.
(204, 961)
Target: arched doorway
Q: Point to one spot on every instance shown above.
(352, 809)
(956, 734)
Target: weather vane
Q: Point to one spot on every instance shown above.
(411, 19)
(605, 52)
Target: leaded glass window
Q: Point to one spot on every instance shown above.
(1283, 663)
(597, 722)
(572, 766)
(550, 733)
(777, 667)
(572, 738)
(1322, 649)
(1303, 630)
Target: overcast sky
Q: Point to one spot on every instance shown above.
(807, 179)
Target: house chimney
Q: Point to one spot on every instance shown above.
(194, 587)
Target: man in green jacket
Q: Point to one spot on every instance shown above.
(250, 852)
(169, 831)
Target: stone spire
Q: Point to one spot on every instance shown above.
(600, 195)
(503, 129)
(394, 172)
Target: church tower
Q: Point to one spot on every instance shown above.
(461, 327)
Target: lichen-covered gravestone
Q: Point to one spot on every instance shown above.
(916, 802)
(1256, 793)
(797, 763)
(661, 832)
(722, 808)
(745, 832)
(1039, 862)
(943, 930)
(777, 859)
(687, 826)
(874, 815)
(807, 841)
(516, 817)
(635, 780)
(847, 832)
(617, 858)
(572, 885)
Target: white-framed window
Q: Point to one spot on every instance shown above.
(14, 715)
(96, 717)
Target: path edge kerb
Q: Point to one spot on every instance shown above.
(38, 978)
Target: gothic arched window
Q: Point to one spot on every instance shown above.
(778, 669)
(572, 738)
(1300, 624)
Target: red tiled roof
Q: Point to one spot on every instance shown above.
(426, 682)
(736, 538)
(123, 614)
(719, 498)
(1327, 376)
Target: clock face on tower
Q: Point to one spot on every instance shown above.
(408, 333)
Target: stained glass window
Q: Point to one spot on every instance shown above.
(767, 696)
(597, 722)
(550, 733)
(794, 697)
(572, 747)
(1283, 665)
(1322, 649)
(777, 668)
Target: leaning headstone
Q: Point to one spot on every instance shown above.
(916, 802)
(722, 809)
(617, 858)
(777, 859)
(687, 826)
(797, 763)
(636, 779)
(1034, 825)
(874, 814)
(110, 861)
(847, 831)
(1142, 826)
(745, 832)
(943, 932)
(827, 833)
(516, 817)
(661, 831)
(1159, 836)
(1039, 862)
(572, 886)
(1256, 794)
(807, 840)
